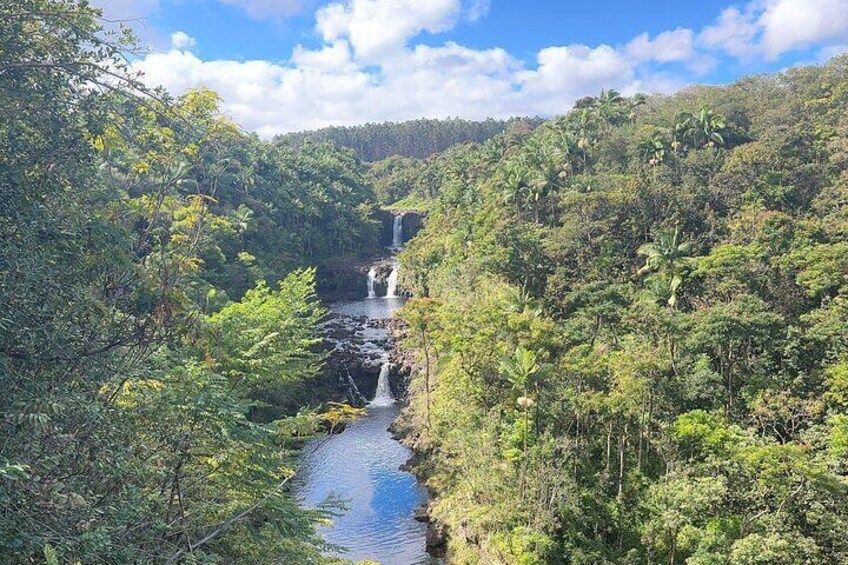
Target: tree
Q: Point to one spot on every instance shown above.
(668, 257)
(420, 314)
(655, 149)
(611, 107)
(706, 129)
(521, 370)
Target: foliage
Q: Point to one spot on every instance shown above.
(147, 418)
(417, 139)
(636, 339)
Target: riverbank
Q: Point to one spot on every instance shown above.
(409, 433)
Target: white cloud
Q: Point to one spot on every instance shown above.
(325, 87)
(795, 24)
(669, 46)
(676, 46)
(377, 28)
(771, 28)
(369, 69)
(733, 33)
(566, 73)
(182, 40)
(335, 56)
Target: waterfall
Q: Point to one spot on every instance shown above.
(353, 390)
(397, 232)
(383, 396)
(372, 278)
(392, 282)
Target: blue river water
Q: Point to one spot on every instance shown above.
(361, 467)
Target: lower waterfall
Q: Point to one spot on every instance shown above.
(392, 282)
(372, 278)
(383, 396)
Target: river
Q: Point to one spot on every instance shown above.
(362, 467)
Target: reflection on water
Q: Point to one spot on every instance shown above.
(374, 308)
(361, 467)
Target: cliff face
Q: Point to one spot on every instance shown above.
(346, 280)
(413, 221)
(343, 279)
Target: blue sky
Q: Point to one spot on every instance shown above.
(284, 65)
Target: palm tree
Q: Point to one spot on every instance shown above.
(668, 257)
(637, 100)
(586, 134)
(242, 219)
(522, 371)
(515, 184)
(702, 130)
(610, 106)
(546, 182)
(655, 149)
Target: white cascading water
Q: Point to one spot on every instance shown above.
(392, 282)
(397, 232)
(372, 278)
(354, 389)
(383, 396)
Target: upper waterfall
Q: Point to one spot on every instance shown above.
(397, 232)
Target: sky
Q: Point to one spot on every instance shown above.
(291, 65)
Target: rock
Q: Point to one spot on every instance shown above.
(410, 464)
(422, 513)
(436, 539)
(345, 279)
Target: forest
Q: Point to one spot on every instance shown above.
(158, 318)
(628, 324)
(417, 138)
(630, 330)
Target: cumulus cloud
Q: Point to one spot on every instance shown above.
(733, 33)
(676, 46)
(566, 73)
(666, 47)
(377, 28)
(182, 40)
(795, 24)
(368, 67)
(325, 87)
(771, 28)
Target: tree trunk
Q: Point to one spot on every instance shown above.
(427, 382)
(621, 444)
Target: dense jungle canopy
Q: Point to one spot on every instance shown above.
(629, 323)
